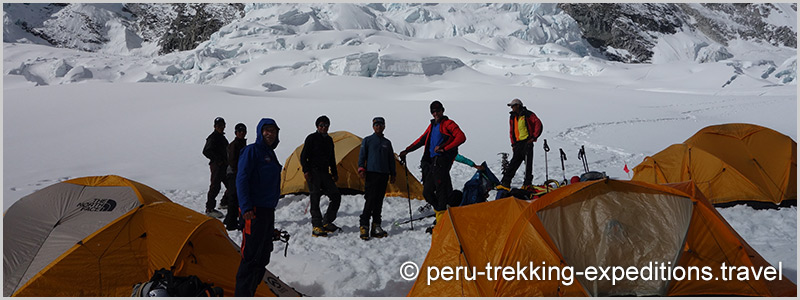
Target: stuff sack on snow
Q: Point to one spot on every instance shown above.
(165, 284)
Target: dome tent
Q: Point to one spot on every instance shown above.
(98, 236)
(599, 223)
(346, 147)
(731, 164)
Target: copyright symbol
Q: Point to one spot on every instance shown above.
(409, 270)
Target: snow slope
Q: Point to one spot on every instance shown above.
(69, 114)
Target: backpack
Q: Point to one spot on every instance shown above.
(165, 284)
(477, 189)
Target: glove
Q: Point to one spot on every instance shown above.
(403, 156)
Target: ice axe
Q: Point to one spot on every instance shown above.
(546, 149)
(563, 158)
(582, 157)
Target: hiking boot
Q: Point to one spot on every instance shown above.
(364, 233)
(223, 206)
(429, 230)
(318, 231)
(330, 227)
(214, 213)
(377, 231)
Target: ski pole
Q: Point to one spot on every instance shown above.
(408, 192)
(546, 149)
(563, 158)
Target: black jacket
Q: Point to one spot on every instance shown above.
(234, 150)
(215, 148)
(318, 154)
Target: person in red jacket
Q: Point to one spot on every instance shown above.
(525, 129)
(440, 140)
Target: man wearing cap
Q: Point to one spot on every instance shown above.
(525, 129)
(376, 167)
(258, 185)
(440, 140)
(215, 151)
(319, 169)
(234, 149)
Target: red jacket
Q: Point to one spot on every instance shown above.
(531, 121)
(452, 137)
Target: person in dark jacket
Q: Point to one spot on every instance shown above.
(215, 151)
(440, 140)
(258, 185)
(234, 149)
(319, 169)
(376, 167)
(525, 129)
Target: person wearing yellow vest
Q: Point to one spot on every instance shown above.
(525, 129)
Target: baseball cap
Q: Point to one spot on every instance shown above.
(515, 102)
(377, 120)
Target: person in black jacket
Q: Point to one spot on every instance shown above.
(215, 150)
(376, 167)
(234, 150)
(319, 169)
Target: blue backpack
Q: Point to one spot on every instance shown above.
(477, 188)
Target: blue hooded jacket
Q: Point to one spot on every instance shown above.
(258, 182)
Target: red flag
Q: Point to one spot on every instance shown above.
(626, 168)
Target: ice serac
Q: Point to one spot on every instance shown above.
(428, 66)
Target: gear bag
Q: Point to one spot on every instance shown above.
(165, 284)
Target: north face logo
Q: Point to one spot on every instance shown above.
(98, 205)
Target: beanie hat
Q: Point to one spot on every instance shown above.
(219, 121)
(322, 119)
(437, 105)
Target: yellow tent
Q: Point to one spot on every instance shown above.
(730, 163)
(98, 236)
(600, 224)
(346, 146)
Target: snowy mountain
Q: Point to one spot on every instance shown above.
(91, 89)
(611, 28)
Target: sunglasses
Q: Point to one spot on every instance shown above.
(436, 110)
(324, 125)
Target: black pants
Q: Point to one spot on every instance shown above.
(374, 190)
(436, 183)
(256, 249)
(522, 151)
(322, 183)
(232, 217)
(217, 179)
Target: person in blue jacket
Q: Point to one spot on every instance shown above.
(258, 187)
(376, 166)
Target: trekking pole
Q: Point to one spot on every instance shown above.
(408, 192)
(563, 158)
(546, 149)
(582, 157)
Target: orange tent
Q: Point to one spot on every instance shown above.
(599, 224)
(346, 147)
(730, 163)
(98, 236)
